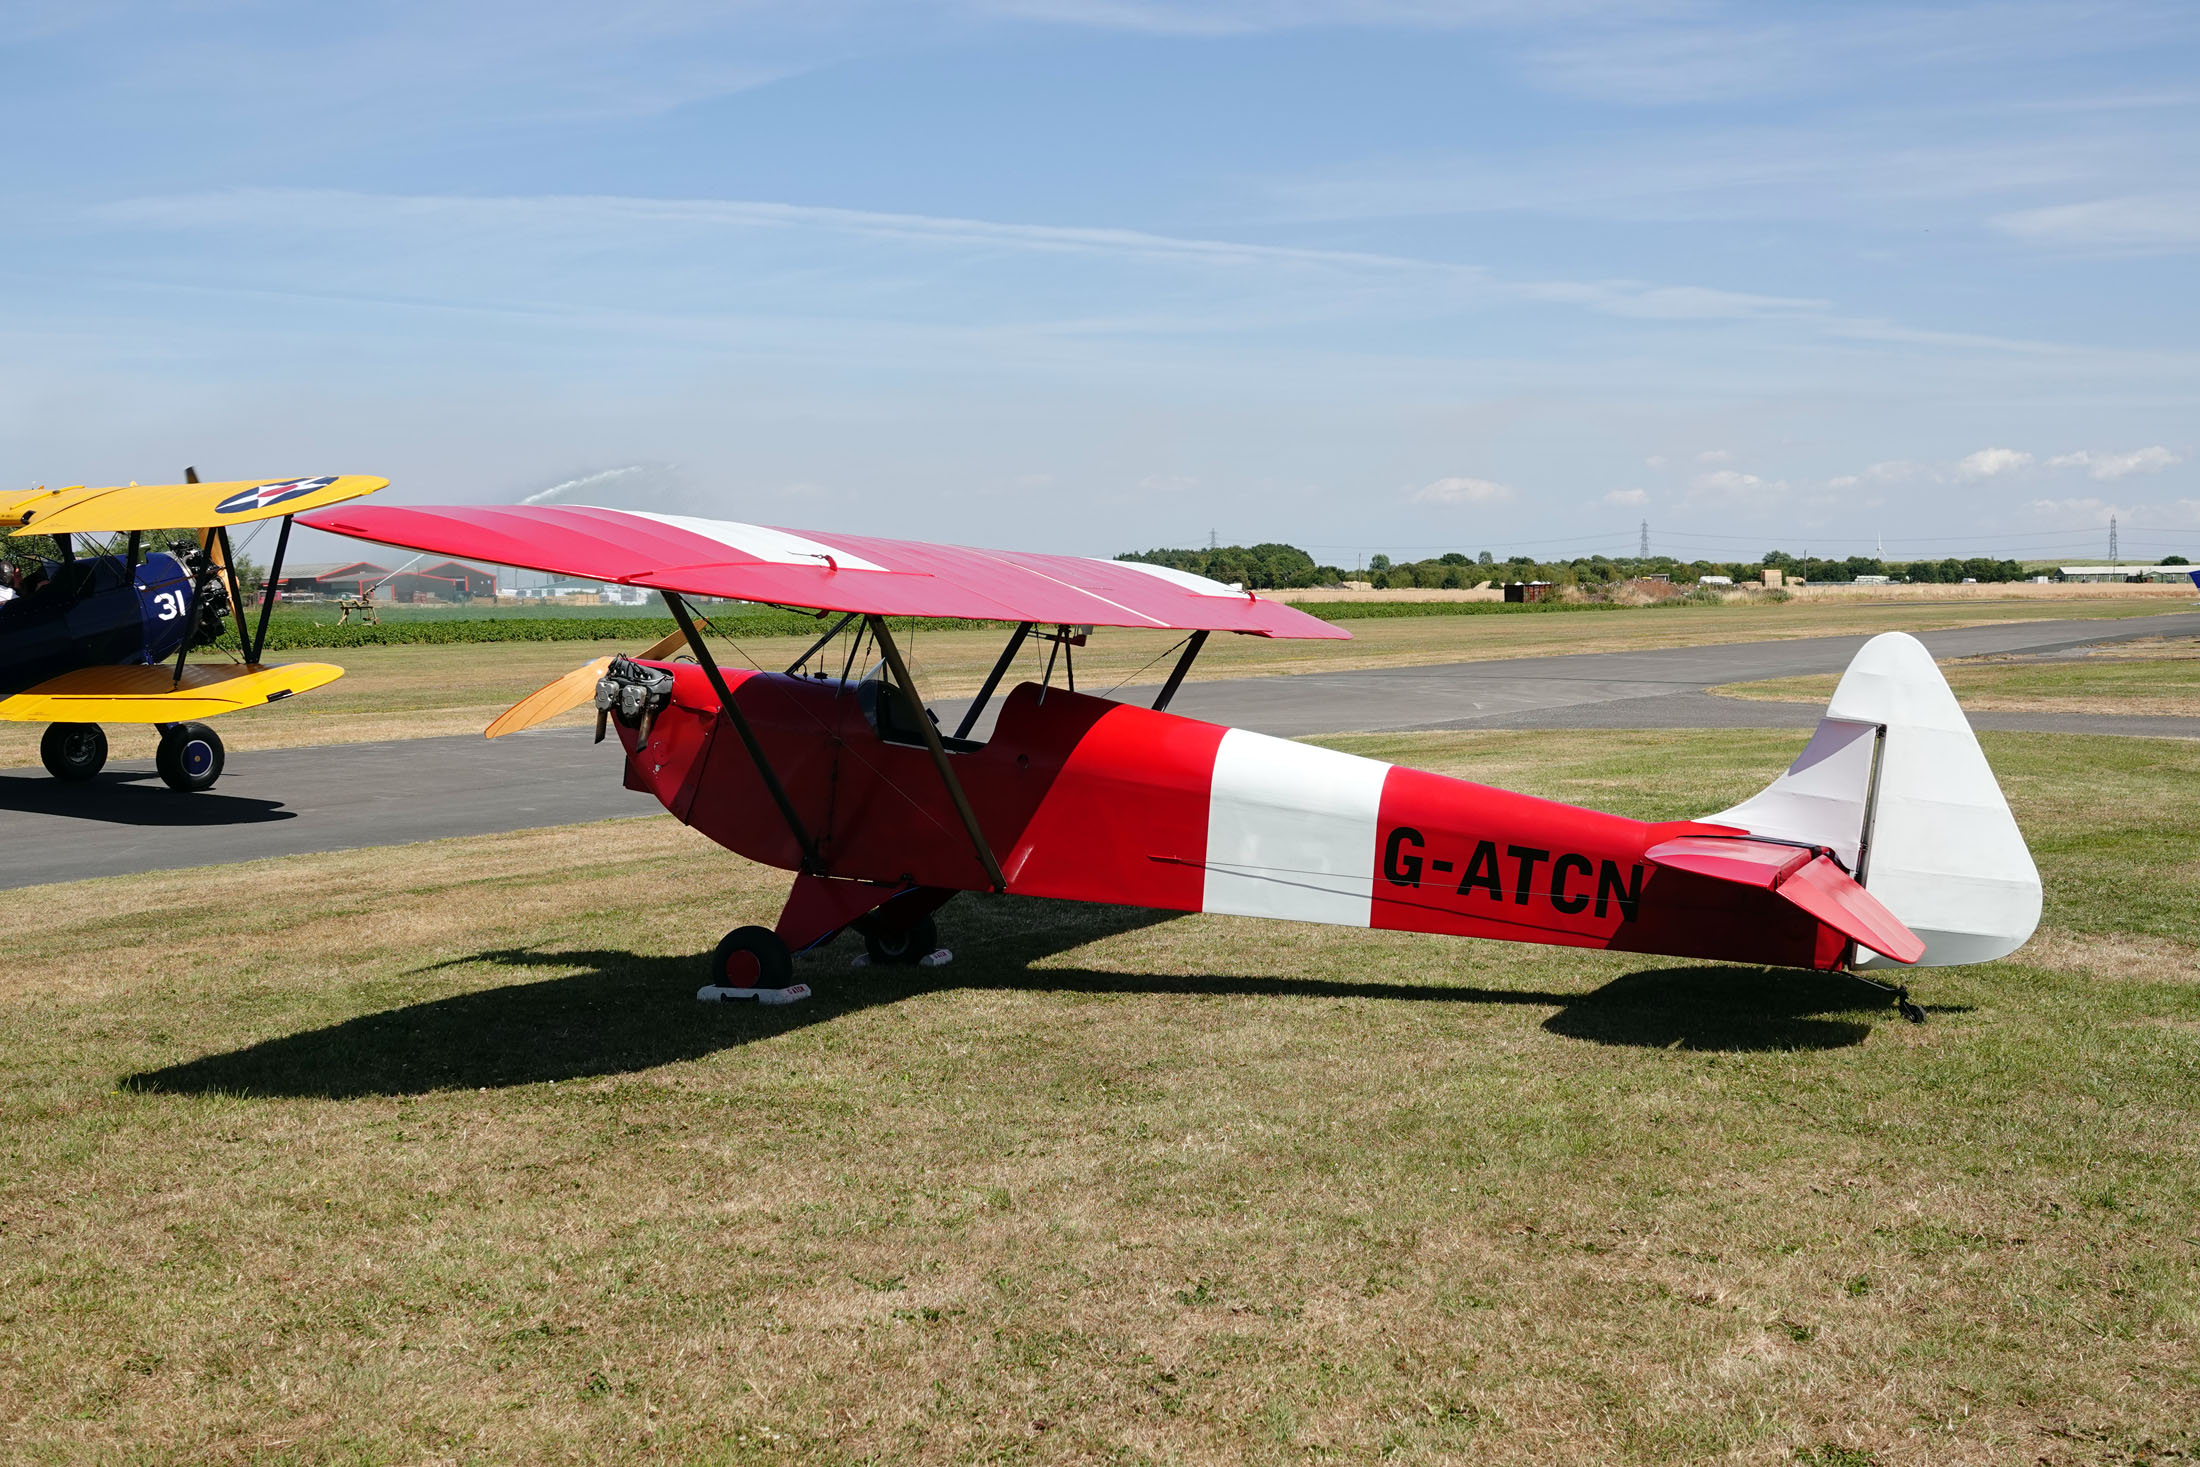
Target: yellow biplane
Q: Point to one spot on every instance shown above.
(88, 638)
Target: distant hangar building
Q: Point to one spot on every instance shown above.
(447, 580)
(2099, 573)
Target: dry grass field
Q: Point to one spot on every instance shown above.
(427, 1155)
(424, 691)
(2158, 675)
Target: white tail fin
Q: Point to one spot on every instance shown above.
(1895, 783)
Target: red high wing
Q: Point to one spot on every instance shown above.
(830, 572)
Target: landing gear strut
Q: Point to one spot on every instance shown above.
(73, 751)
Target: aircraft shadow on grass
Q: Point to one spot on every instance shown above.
(619, 1013)
(133, 798)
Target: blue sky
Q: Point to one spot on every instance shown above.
(1096, 275)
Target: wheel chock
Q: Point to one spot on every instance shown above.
(717, 993)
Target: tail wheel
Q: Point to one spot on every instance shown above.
(190, 757)
(751, 957)
(913, 944)
(73, 751)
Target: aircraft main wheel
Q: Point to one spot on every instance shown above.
(73, 751)
(190, 757)
(748, 960)
(912, 945)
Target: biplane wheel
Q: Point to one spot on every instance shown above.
(190, 757)
(749, 962)
(911, 945)
(73, 751)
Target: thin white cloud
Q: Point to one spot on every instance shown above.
(1990, 463)
(1463, 491)
(2151, 460)
(1734, 487)
(598, 211)
(543, 218)
(1671, 302)
(2095, 510)
(2157, 221)
(1246, 17)
(1627, 498)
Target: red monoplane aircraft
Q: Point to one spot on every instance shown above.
(1887, 842)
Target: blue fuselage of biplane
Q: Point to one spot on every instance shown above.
(94, 611)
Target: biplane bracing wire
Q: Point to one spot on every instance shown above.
(98, 637)
(1886, 844)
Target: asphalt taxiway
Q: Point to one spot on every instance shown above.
(297, 801)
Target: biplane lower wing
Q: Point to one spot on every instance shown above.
(830, 572)
(154, 695)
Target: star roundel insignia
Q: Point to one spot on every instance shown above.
(262, 496)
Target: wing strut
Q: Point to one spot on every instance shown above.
(268, 592)
(236, 589)
(931, 735)
(199, 582)
(819, 645)
(993, 680)
(1183, 666)
(740, 723)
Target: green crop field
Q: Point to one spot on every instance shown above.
(427, 1155)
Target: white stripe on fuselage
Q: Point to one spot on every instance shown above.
(762, 542)
(1291, 831)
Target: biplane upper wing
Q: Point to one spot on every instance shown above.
(113, 510)
(830, 572)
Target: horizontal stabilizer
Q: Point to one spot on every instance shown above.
(1804, 878)
(152, 694)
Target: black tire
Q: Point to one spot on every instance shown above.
(190, 757)
(908, 946)
(73, 751)
(751, 957)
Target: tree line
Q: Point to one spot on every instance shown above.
(1273, 566)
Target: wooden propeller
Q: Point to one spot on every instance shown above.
(567, 692)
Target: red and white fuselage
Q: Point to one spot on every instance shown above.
(1090, 800)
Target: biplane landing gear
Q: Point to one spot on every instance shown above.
(190, 757)
(752, 963)
(916, 944)
(73, 751)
